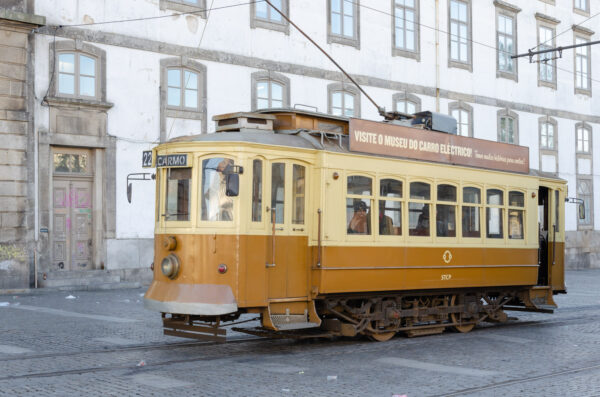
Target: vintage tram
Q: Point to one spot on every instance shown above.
(341, 226)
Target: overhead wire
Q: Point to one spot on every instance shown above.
(493, 47)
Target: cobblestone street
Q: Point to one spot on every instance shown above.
(105, 343)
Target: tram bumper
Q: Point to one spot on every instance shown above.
(197, 299)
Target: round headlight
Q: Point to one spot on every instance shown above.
(170, 266)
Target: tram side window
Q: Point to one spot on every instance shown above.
(278, 191)
(390, 207)
(445, 215)
(470, 212)
(216, 205)
(418, 209)
(494, 213)
(358, 205)
(516, 202)
(257, 190)
(298, 193)
(178, 194)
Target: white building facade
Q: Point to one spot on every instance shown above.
(113, 78)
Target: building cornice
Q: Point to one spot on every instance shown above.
(581, 30)
(507, 6)
(77, 103)
(29, 19)
(546, 18)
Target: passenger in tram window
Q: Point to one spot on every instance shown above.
(423, 222)
(359, 223)
(386, 224)
(217, 206)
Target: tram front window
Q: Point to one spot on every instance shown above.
(216, 205)
(178, 194)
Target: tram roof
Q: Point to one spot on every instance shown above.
(309, 139)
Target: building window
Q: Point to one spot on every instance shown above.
(79, 71)
(581, 7)
(508, 126)
(585, 192)
(197, 7)
(344, 100)
(548, 144)
(583, 139)
(459, 36)
(182, 89)
(270, 90)
(405, 34)
(463, 113)
(183, 98)
(264, 16)
(583, 80)
(343, 19)
(546, 32)
(406, 103)
(506, 39)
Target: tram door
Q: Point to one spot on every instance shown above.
(288, 243)
(543, 234)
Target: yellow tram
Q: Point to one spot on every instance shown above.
(349, 227)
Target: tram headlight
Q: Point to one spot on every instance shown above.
(170, 266)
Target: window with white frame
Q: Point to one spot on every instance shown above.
(547, 65)
(547, 136)
(77, 75)
(270, 90)
(406, 27)
(343, 100)
(506, 45)
(582, 66)
(585, 193)
(182, 88)
(343, 22)
(581, 5)
(508, 126)
(406, 103)
(583, 140)
(463, 114)
(264, 16)
(406, 106)
(269, 94)
(459, 34)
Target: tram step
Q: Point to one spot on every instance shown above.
(292, 326)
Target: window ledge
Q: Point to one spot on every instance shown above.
(579, 11)
(507, 75)
(187, 8)
(542, 83)
(270, 25)
(397, 52)
(77, 102)
(460, 65)
(582, 91)
(352, 42)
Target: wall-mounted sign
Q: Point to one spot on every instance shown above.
(147, 158)
(399, 141)
(172, 160)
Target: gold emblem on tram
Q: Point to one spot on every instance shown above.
(447, 257)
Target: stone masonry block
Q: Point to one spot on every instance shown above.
(13, 188)
(13, 127)
(12, 157)
(16, 88)
(12, 219)
(13, 173)
(12, 103)
(12, 234)
(13, 39)
(12, 204)
(9, 141)
(12, 55)
(4, 87)
(12, 71)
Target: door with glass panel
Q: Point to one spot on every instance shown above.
(287, 250)
(72, 208)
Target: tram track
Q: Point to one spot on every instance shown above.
(238, 340)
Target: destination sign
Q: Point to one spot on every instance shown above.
(172, 160)
(400, 141)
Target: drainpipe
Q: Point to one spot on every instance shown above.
(437, 56)
(36, 207)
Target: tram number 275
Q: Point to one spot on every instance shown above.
(446, 277)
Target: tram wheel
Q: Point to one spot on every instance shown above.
(383, 336)
(457, 318)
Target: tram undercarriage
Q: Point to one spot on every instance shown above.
(379, 317)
